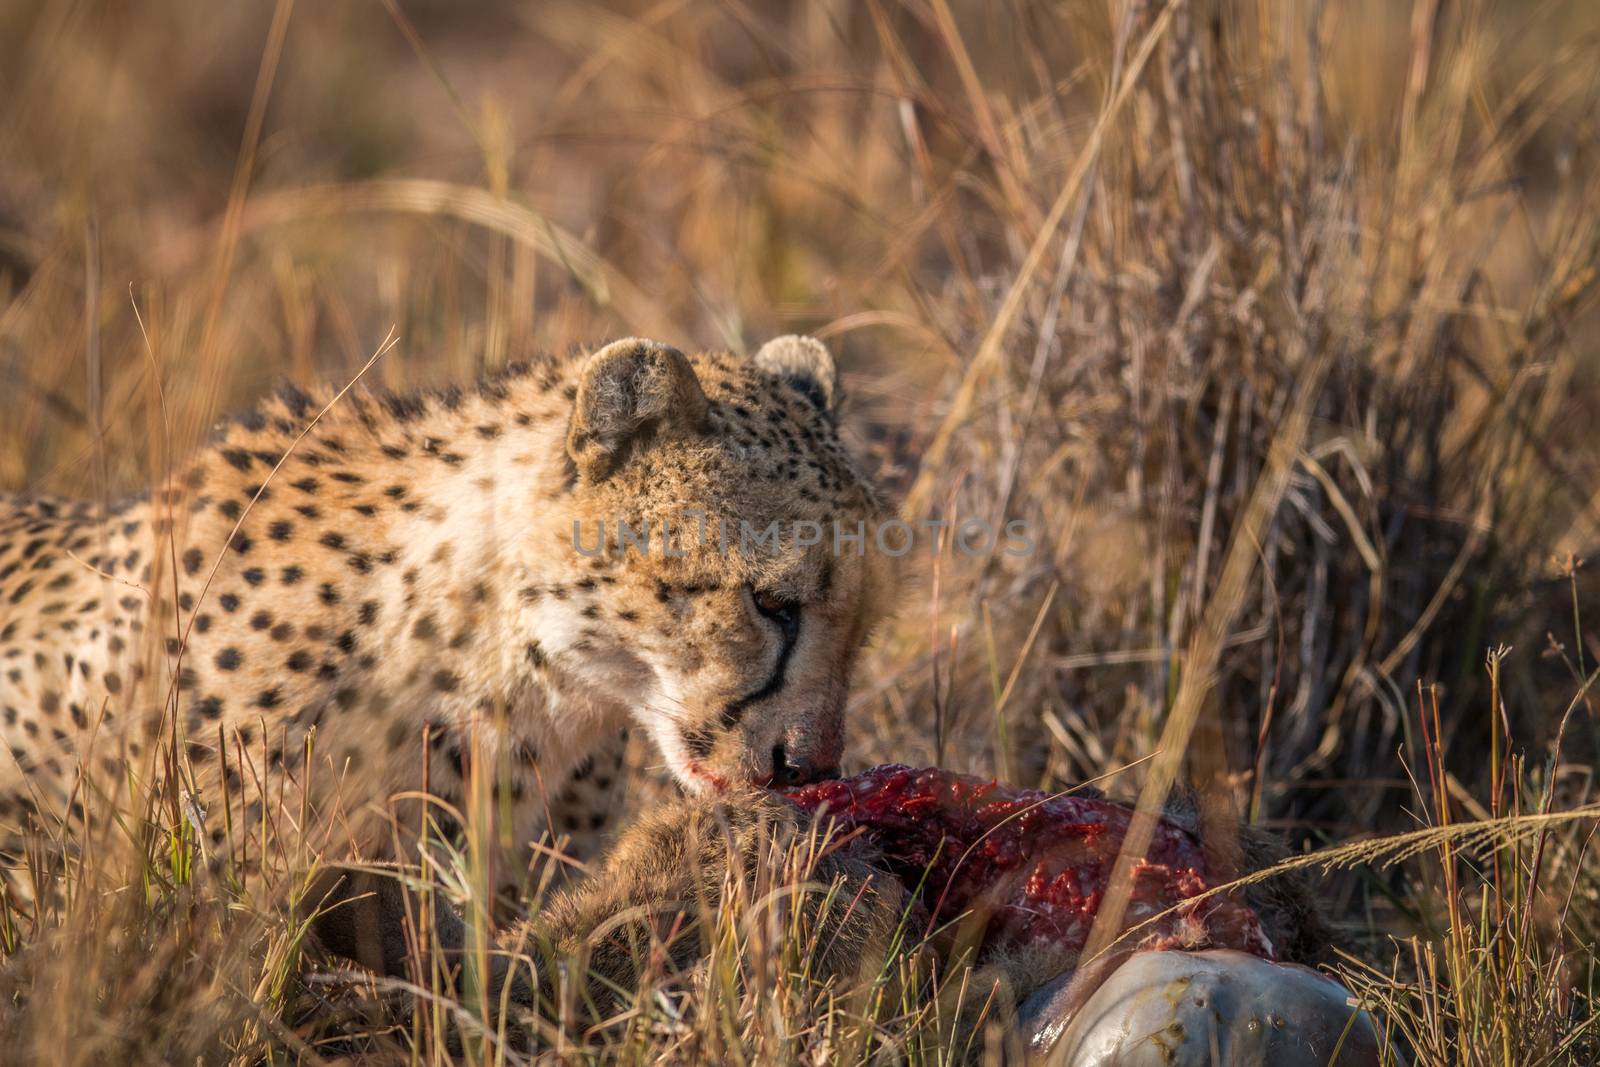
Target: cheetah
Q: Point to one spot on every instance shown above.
(395, 587)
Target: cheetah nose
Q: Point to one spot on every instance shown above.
(790, 770)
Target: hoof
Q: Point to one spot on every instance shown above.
(1202, 1009)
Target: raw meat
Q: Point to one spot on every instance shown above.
(1031, 866)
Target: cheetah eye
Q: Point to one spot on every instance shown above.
(775, 606)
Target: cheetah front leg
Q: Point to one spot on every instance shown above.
(803, 904)
(592, 804)
(371, 917)
(650, 911)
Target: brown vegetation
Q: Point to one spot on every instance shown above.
(1275, 320)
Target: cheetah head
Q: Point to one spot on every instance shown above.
(730, 545)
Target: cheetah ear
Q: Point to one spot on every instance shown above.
(634, 392)
(804, 363)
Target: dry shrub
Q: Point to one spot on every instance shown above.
(1232, 236)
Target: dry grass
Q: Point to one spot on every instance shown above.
(1276, 320)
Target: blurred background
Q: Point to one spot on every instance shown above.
(1276, 320)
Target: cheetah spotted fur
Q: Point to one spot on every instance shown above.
(402, 587)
